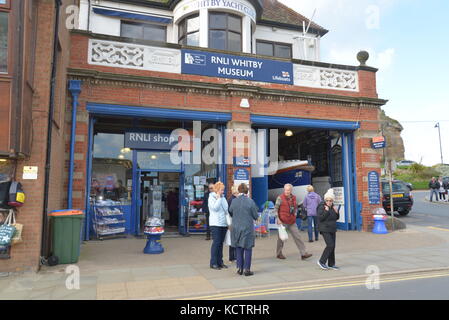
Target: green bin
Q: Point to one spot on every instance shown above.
(66, 226)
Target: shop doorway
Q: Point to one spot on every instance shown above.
(160, 196)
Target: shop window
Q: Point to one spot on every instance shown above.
(111, 168)
(143, 31)
(225, 31)
(4, 18)
(337, 166)
(274, 49)
(189, 31)
(154, 160)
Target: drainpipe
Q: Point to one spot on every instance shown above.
(45, 235)
(75, 90)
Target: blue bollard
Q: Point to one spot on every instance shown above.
(379, 225)
(154, 245)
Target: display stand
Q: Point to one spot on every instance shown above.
(109, 219)
(153, 230)
(197, 219)
(261, 226)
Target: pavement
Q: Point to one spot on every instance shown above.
(118, 269)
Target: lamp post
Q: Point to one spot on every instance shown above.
(439, 134)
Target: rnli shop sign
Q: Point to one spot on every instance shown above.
(236, 67)
(149, 140)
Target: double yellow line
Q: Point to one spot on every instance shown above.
(266, 292)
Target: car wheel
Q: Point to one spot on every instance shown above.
(404, 212)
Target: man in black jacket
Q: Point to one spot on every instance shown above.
(205, 208)
(434, 186)
(327, 225)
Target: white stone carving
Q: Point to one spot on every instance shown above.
(127, 55)
(325, 78)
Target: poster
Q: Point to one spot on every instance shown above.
(340, 202)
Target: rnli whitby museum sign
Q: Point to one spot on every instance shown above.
(236, 67)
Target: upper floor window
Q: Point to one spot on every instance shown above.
(225, 31)
(189, 31)
(143, 31)
(274, 49)
(4, 41)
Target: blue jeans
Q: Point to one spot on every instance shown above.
(298, 223)
(244, 258)
(313, 219)
(432, 192)
(216, 251)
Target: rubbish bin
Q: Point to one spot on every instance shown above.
(66, 226)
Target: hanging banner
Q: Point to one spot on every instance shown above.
(236, 67)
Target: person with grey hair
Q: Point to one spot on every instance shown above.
(285, 209)
(328, 216)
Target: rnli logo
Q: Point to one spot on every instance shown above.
(286, 74)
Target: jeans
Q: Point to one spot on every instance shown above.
(232, 252)
(244, 258)
(216, 251)
(328, 255)
(208, 226)
(299, 223)
(434, 192)
(313, 219)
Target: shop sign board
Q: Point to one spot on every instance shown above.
(378, 142)
(236, 67)
(241, 174)
(373, 188)
(243, 7)
(149, 140)
(30, 173)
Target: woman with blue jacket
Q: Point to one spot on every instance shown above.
(218, 208)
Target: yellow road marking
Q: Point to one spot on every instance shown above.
(440, 229)
(309, 288)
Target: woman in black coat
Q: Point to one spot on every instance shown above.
(328, 216)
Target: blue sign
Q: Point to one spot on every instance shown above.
(241, 174)
(236, 67)
(242, 162)
(378, 143)
(373, 188)
(149, 140)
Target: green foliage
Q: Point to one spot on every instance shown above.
(416, 174)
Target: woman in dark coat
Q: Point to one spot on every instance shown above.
(244, 211)
(328, 216)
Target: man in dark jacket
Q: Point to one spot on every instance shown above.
(328, 216)
(434, 187)
(205, 208)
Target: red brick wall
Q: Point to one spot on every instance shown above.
(26, 255)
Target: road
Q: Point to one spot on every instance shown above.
(427, 214)
(418, 286)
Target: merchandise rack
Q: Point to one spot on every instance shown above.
(108, 220)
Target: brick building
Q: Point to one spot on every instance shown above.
(28, 35)
(140, 69)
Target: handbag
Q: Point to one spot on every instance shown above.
(283, 235)
(7, 231)
(228, 219)
(17, 237)
(302, 213)
(228, 238)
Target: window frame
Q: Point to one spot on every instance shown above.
(227, 30)
(9, 55)
(274, 44)
(142, 25)
(6, 5)
(183, 22)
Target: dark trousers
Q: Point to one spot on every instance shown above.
(232, 253)
(244, 258)
(216, 251)
(328, 255)
(208, 226)
(313, 219)
(442, 196)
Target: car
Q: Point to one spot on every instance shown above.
(402, 197)
(405, 163)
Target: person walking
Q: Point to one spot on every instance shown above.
(218, 208)
(446, 188)
(173, 206)
(327, 225)
(442, 190)
(234, 195)
(310, 204)
(244, 212)
(285, 210)
(205, 208)
(434, 187)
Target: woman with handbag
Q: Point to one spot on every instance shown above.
(235, 194)
(218, 209)
(310, 205)
(328, 216)
(244, 212)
